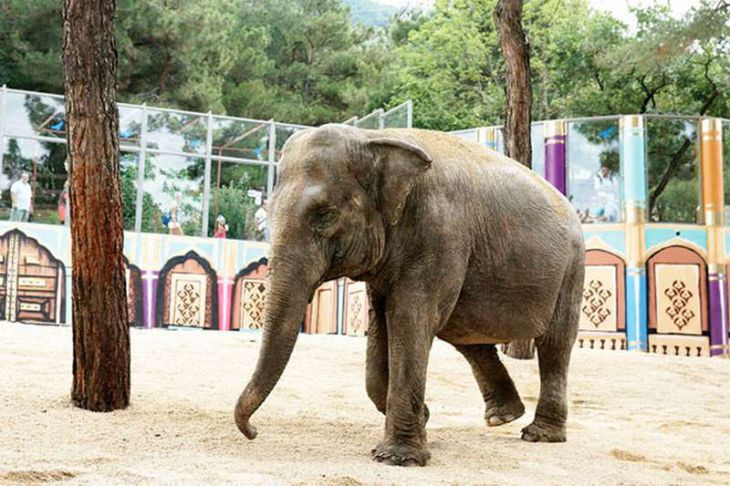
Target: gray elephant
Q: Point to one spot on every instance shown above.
(454, 241)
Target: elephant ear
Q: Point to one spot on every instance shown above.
(398, 165)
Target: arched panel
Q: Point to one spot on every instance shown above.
(188, 293)
(249, 292)
(678, 312)
(323, 317)
(32, 281)
(604, 296)
(602, 323)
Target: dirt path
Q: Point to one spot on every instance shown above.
(635, 418)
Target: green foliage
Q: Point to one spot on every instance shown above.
(299, 61)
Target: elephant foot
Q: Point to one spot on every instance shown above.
(499, 413)
(536, 432)
(400, 454)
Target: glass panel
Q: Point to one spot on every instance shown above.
(470, 135)
(673, 176)
(500, 141)
(30, 114)
(283, 132)
(594, 176)
(173, 194)
(397, 118)
(128, 169)
(240, 139)
(130, 125)
(726, 168)
(371, 121)
(176, 132)
(44, 163)
(237, 192)
(537, 139)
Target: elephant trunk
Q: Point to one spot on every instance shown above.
(290, 286)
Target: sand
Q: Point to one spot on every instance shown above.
(634, 418)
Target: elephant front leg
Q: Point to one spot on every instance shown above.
(409, 343)
(376, 360)
(376, 366)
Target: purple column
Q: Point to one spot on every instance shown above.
(718, 314)
(149, 297)
(555, 154)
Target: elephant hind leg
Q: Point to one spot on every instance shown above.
(501, 400)
(553, 350)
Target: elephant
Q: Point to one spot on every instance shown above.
(454, 241)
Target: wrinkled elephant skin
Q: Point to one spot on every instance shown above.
(455, 241)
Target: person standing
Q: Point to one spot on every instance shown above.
(21, 196)
(261, 221)
(221, 228)
(174, 224)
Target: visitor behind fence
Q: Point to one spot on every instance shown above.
(174, 224)
(21, 196)
(221, 228)
(261, 220)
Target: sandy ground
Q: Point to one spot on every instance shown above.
(635, 418)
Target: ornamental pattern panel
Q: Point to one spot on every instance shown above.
(187, 303)
(678, 299)
(252, 301)
(357, 308)
(598, 311)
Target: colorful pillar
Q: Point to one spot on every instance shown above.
(555, 154)
(713, 197)
(487, 136)
(633, 176)
(150, 280)
(150, 249)
(226, 277)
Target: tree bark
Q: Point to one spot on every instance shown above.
(516, 53)
(100, 326)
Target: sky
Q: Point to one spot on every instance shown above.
(619, 8)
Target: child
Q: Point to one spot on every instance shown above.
(221, 228)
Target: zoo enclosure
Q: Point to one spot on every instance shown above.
(220, 165)
(653, 197)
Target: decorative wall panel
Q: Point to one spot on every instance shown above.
(356, 308)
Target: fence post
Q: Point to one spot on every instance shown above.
(713, 197)
(555, 154)
(140, 171)
(633, 176)
(272, 159)
(206, 177)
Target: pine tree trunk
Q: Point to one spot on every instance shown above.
(100, 327)
(516, 53)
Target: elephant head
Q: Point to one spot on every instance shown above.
(338, 190)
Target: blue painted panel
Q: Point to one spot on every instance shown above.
(658, 236)
(633, 165)
(178, 246)
(254, 253)
(615, 239)
(636, 309)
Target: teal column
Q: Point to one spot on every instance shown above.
(633, 177)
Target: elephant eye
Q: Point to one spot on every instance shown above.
(326, 214)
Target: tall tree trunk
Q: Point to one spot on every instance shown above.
(100, 326)
(516, 52)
